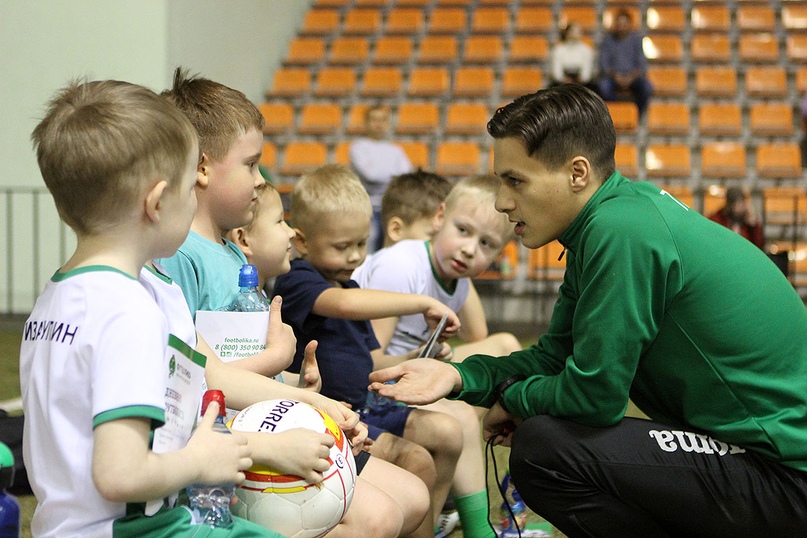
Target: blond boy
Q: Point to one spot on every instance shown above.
(121, 164)
(331, 214)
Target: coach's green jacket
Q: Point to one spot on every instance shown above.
(687, 318)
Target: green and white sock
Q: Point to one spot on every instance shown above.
(474, 511)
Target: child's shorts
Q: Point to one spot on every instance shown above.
(177, 522)
(391, 419)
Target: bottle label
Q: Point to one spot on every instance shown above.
(183, 392)
(233, 335)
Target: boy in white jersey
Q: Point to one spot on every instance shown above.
(121, 164)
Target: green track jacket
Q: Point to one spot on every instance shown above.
(690, 320)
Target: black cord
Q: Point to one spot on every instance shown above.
(492, 456)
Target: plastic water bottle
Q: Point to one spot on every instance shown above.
(210, 504)
(250, 298)
(510, 524)
(9, 507)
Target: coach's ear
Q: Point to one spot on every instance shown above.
(299, 242)
(152, 201)
(580, 173)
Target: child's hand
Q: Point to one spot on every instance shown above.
(303, 453)
(445, 354)
(221, 457)
(280, 339)
(434, 313)
(309, 373)
(347, 420)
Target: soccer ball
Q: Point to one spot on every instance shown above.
(287, 504)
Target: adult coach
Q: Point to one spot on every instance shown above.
(658, 304)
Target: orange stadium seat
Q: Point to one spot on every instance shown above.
(341, 153)
(382, 82)
(320, 118)
(517, 81)
(771, 119)
(473, 81)
(447, 20)
(454, 3)
(335, 82)
(779, 160)
(483, 49)
(711, 18)
(466, 118)
(668, 118)
(666, 19)
(668, 161)
(794, 17)
(720, 119)
(417, 118)
(392, 50)
(418, 153)
(428, 82)
(457, 158)
(494, 2)
(801, 79)
(278, 117)
(766, 81)
(663, 48)
(668, 81)
(290, 82)
(625, 116)
(305, 51)
(490, 20)
(320, 22)
(528, 49)
(796, 48)
(356, 118)
(269, 156)
(716, 82)
(404, 20)
(414, 3)
(756, 18)
(330, 3)
(438, 49)
(302, 157)
(545, 263)
(627, 159)
(710, 48)
(759, 47)
(585, 16)
(714, 198)
(372, 3)
(349, 50)
(361, 22)
(723, 160)
(534, 20)
(784, 205)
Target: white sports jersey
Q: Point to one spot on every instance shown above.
(93, 351)
(406, 267)
(171, 300)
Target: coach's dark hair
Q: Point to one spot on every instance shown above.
(559, 123)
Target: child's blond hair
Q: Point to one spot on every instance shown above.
(220, 114)
(413, 196)
(482, 189)
(101, 143)
(333, 188)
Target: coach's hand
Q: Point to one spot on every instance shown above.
(418, 381)
(499, 425)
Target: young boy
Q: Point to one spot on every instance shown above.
(687, 318)
(266, 242)
(120, 163)
(470, 235)
(331, 214)
(410, 205)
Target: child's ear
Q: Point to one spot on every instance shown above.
(440, 216)
(152, 201)
(239, 237)
(299, 242)
(203, 172)
(394, 227)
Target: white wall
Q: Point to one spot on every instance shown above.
(45, 43)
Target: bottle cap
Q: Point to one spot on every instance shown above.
(248, 277)
(214, 396)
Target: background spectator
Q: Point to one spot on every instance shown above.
(623, 65)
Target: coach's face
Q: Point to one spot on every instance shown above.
(541, 202)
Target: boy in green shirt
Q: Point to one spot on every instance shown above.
(659, 304)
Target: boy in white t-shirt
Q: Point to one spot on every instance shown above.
(120, 163)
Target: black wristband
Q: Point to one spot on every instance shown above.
(504, 385)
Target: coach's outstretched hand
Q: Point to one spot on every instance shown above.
(419, 381)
